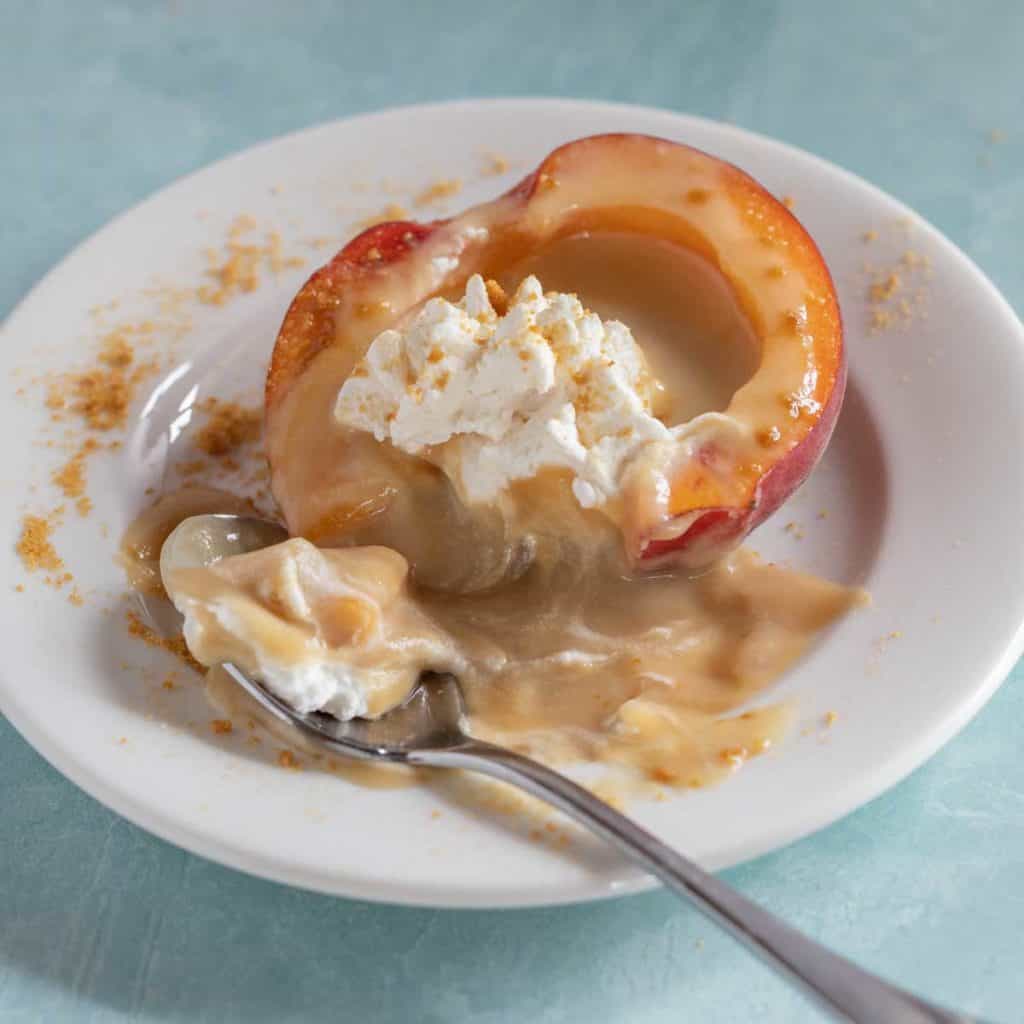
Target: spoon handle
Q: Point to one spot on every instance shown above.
(838, 986)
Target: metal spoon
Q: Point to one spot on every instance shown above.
(429, 730)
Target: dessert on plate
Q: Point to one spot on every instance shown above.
(524, 444)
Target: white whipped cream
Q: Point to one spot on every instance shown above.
(494, 399)
(316, 683)
(325, 630)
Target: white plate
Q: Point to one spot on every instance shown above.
(923, 486)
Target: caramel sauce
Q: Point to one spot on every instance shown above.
(574, 660)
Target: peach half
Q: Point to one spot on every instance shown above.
(777, 422)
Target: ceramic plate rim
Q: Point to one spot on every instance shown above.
(859, 790)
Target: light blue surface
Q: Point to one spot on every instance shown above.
(103, 102)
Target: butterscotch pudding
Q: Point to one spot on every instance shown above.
(544, 491)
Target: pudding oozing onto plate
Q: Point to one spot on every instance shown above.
(524, 445)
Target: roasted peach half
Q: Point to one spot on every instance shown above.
(738, 467)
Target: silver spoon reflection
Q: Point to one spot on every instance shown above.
(429, 729)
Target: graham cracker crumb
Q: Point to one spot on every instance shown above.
(831, 717)
(286, 759)
(35, 548)
(54, 397)
(884, 288)
(441, 189)
(229, 426)
(174, 645)
(70, 478)
(116, 352)
(390, 212)
(76, 598)
(896, 293)
(221, 726)
(235, 273)
(497, 295)
(494, 164)
(101, 396)
(236, 268)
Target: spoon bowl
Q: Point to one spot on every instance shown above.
(431, 718)
(200, 541)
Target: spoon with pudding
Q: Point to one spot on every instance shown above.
(428, 730)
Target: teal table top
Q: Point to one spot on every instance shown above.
(103, 102)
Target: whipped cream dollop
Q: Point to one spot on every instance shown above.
(325, 630)
(495, 398)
